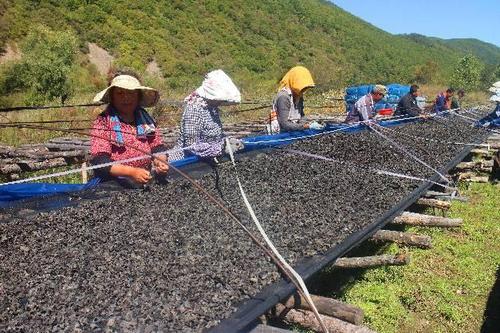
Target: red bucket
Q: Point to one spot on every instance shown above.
(385, 112)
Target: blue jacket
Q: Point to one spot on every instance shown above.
(441, 103)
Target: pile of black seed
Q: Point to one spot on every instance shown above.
(167, 259)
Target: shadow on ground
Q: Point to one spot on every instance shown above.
(491, 322)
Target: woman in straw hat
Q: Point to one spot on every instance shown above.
(201, 132)
(288, 105)
(125, 131)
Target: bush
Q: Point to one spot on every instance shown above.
(467, 73)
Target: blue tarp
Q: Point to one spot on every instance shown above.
(14, 192)
(394, 93)
(492, 120)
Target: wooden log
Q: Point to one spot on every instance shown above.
(10, 168)
(307, 320)
(483, 152)
(474, 164)
(85, 174)
(494, 144)
(403, 238)
(423, 220)
(445, 196)
(63, 147)
(444, 205)
(268, 329)
(479, 179)
(372, 261)
(328, 306)
(35, 166)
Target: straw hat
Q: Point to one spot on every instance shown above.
(149, 96)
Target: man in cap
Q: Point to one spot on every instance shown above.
(364, 108)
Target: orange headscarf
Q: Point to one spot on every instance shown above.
(297, 79)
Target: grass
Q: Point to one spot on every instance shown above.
(444, 289)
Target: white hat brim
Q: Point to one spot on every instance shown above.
(149, 96)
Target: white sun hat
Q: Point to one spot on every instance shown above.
(149, 96)
(495, 98)
(217, 86)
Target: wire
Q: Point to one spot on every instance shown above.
(407, 152)
(20, 108)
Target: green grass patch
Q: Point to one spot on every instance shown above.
(444, 289)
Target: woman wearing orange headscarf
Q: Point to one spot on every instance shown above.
(288, 105)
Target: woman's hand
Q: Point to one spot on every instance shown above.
(160, 164)
(140, 175)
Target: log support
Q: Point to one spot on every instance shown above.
(372, 261)
(329, 307)
(403, 238)
(422, 220)
(307, 320)
(434, 203)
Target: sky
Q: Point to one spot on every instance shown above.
(439, 18)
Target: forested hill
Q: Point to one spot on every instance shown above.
(254, 41)
(487, 52)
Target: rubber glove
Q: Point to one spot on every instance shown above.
(235, 144)
(314, 125)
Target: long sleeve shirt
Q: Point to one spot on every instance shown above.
(363, 109)
(408, 105)
(283, 105)
(200, 132)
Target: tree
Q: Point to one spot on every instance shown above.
(426, 73)
(43, 72)
(467, 73)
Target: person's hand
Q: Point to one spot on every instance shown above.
(235, 144)
(160, 164)
(140, 175)
(314, 125)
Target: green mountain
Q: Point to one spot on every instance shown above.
(256, 42)
(488, 53)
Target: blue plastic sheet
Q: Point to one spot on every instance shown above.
(492, 120)
(9, 193)
(394, 93)
(14, 192)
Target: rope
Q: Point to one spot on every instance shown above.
(298, 279)
(20, 108)
(407, 152)
(433, 140)
(215, 201)
(304, 137)
(93, 167)
(374, 170)
(474, 121)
